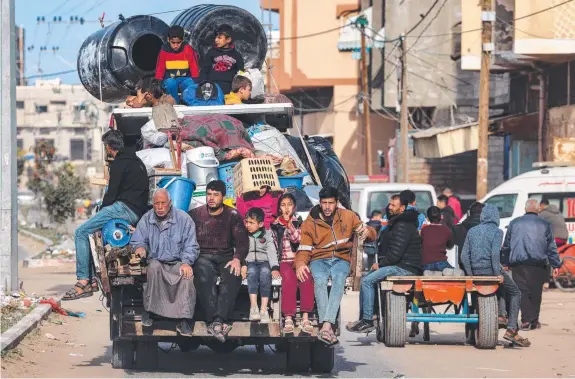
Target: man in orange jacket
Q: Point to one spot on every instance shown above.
(325, 249)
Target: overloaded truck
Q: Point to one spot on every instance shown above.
(110, 63)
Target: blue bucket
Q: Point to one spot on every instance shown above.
(180, 189)
(226, 175)
(292, 181)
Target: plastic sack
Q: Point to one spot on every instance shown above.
(303, 202)
(257, 79)
(203, 94)
(159, 157)
(152, 136)
(269, 140)
(329, 168)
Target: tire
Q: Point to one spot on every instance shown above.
(322, 358)
(146, 355)
(298, 357)
(123, 355)
(395, 331)
(486, 332)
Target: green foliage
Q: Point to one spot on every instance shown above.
(60, 198)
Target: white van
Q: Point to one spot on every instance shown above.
(368, 197)
(553, 181)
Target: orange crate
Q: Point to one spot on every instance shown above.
(253, 173)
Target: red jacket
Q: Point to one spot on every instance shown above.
(268, 203)
(454, 203)
(180, 63)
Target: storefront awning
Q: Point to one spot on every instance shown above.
(350, 36)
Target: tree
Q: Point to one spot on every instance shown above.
(60, 198)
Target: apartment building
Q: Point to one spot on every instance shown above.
(322, 78)
(64, 115)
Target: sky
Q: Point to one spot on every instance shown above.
(69, 37)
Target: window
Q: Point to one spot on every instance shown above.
(565, 201)
(58, 102)
(20, 104)
(355, 195)
(45, 131)
(379, 200)
(41, 109)
(504, 203)
(76, 149)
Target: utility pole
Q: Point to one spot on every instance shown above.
(21, 55)
(362, 23)
(404, 126)
(487, 19)
(8, 204)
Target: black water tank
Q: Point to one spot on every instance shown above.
(119, 55)
(249, 36)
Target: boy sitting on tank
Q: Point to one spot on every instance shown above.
(241, 90)
(177, 63)
(222, 62)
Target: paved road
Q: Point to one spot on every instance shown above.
(358, 356)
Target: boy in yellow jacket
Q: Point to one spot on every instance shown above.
(241, 91)
(325, 251)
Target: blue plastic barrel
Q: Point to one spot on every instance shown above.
(180, 189)
(292, 181)
(226, 175)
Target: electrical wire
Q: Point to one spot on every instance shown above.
(427, 27)
(62, 5)
(422, 18)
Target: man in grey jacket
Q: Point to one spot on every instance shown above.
(167, 237)
(552, 214)
(481, 257)
(528, 248)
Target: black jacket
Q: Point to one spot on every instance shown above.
(220, 65)
(448, 216)
(400, 243)
(460, 232)
(128, 183)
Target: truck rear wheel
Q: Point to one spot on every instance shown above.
(486, 333)
(146, 355)
(395, 331)
(322, 358)
(123, 355)
(298, 357)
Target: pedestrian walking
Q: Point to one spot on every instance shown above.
(528, 248)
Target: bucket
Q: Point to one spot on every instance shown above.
(292, 181)
(202, 166)
(180, 189)
(198, 197)
(226, 174)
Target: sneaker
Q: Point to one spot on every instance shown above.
(255, 314)
(362, 326)
(146, 319)
(264, 317)
(184, 328)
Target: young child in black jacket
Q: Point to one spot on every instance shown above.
(222, 62)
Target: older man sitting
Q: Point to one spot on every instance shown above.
(167, 236)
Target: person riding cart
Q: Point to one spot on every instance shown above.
(125, 199)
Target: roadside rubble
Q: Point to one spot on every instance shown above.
(66, 249)
(16, 306)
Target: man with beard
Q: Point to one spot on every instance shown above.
(325, 249)
(400, 255)
(224, 243)
(167, 237)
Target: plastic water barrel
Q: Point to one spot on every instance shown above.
(180, 189)
(119, 55)
(249, 36)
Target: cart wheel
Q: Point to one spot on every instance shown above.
(123, 354)
(486, 333)
(322, 358)
(146, 355)
(298, 357)
(395, 331)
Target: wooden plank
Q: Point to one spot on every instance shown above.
(106, 288)
(98, 181)
(496, 279)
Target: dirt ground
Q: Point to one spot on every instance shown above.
(82, 348)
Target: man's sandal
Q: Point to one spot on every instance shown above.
(78, 291)
(306, 327)
(216, 330)
(288, 326)
(325, 337)
(515, 339)
(95, 287)
(334, 340)
(226, 329)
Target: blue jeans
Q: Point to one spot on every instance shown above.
(173, 85)
(322, 270)
(368, 286)
(259, 277)
(437, 266)
(118, 210)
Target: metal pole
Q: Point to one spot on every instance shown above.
(21, 55)
(404, 126)
(487, 17)
(540, 136)
(8, 203)
(366, 109)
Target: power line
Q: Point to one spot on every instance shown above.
(428, 25)
(422, 18)
(58, 8)
(51, 74)
(543, 10)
